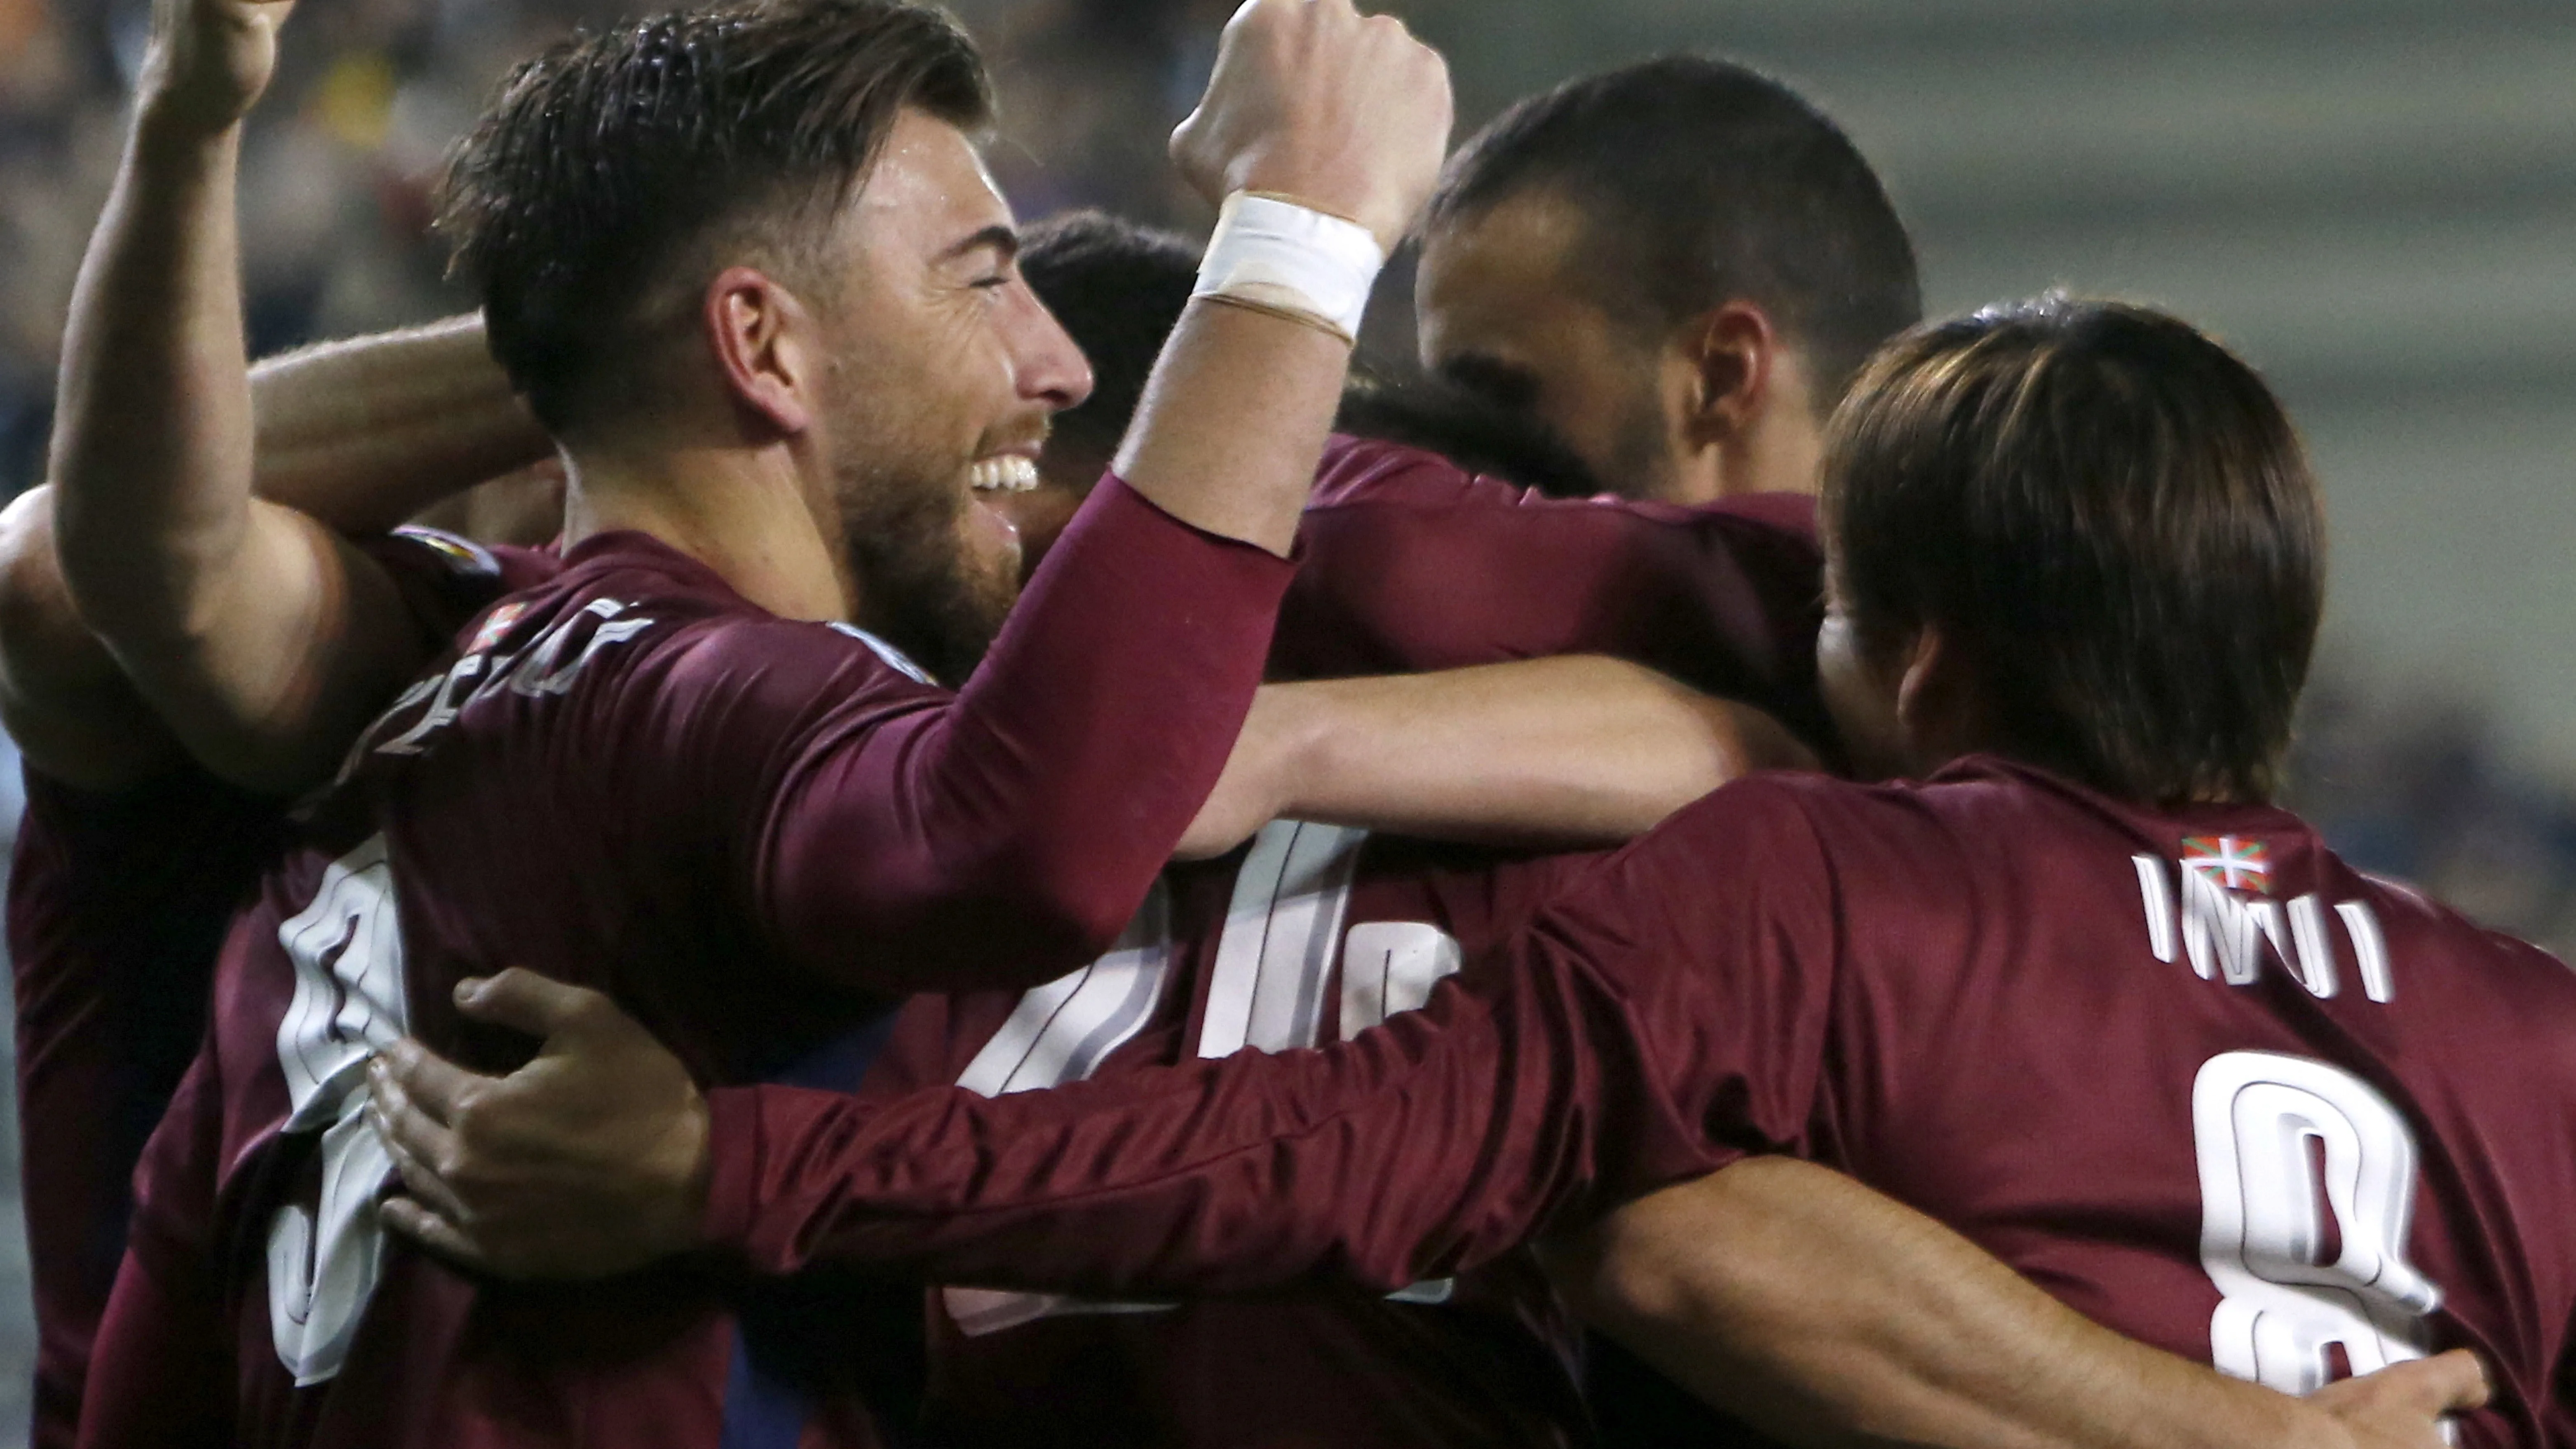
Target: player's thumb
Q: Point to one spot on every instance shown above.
(524, 1001)
(2457, 1380)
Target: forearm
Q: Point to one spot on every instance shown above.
(1827, 1315)
(1233, 422)
(367, 433)
(1550, 753)
(262, 641)
(152, 453)
(1425, 1146)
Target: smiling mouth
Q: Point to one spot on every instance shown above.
(1009, 474)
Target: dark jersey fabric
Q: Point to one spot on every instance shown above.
(1414, 564)
(1308, 935)
(118, 902)
(758, 834)
(2185, 1069)
(1398, 543)
(1313, 933)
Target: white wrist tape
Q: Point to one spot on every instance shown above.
(1285, 257)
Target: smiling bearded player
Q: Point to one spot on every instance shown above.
(766, 305)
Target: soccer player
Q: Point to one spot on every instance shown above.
(132, 858)
(766, 304)
(2074, 986)
(1676, 265)
(1714, 596)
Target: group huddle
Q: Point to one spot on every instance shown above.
(1027, 856)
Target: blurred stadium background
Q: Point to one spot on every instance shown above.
(2374, 199)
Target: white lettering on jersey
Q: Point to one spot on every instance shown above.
(1266, 988)
(2227, 936)
(531, 672)
(1265, 992)
(323, 1260)
(1391, 966)
(1062, 1031)
(2283, 1142)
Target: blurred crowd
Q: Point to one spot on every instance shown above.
(343, 156)
(2409, 782)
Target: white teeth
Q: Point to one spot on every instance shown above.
(1012, 474)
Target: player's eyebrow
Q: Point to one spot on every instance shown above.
(1004, 240)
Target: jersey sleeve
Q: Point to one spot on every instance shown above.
(1414, 564)
(898, 838)
(1539, 1084)
(161, 1376)
(444, 580)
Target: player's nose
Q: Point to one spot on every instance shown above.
(1049, 368)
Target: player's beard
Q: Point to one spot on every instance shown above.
(930, 590)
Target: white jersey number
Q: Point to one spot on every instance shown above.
(2307, 1187)
(323, 1260)
(1266, 992)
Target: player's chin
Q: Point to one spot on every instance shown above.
(991, 544)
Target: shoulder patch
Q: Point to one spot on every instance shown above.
(463, 555)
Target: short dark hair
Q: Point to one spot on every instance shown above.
(1703, 181)
(2112, 515)
(1119, 289)
(615, 159)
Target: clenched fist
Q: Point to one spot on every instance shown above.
(1311, 99)
(210, 60)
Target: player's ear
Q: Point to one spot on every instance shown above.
(762, 340)
(1729, 353)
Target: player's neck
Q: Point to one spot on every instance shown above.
(1780, 453)
(740, 513)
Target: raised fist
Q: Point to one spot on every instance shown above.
(210, 60)
(1344, 112)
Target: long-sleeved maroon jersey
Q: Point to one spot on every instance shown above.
(1313, 933)
(757, 834)
(2186, 1070)
(118, 902)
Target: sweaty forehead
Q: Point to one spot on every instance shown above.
(928, 190)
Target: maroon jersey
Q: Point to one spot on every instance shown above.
(118, 902)
(756, 834)
(1309, 935)
(1413, 564)
(2186, 1070)
(1313, 933)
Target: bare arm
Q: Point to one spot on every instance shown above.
(367, 433)
(1552, 753)
(1828, 1315)
(1348, 115)
(358, 435)
(260, 638)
